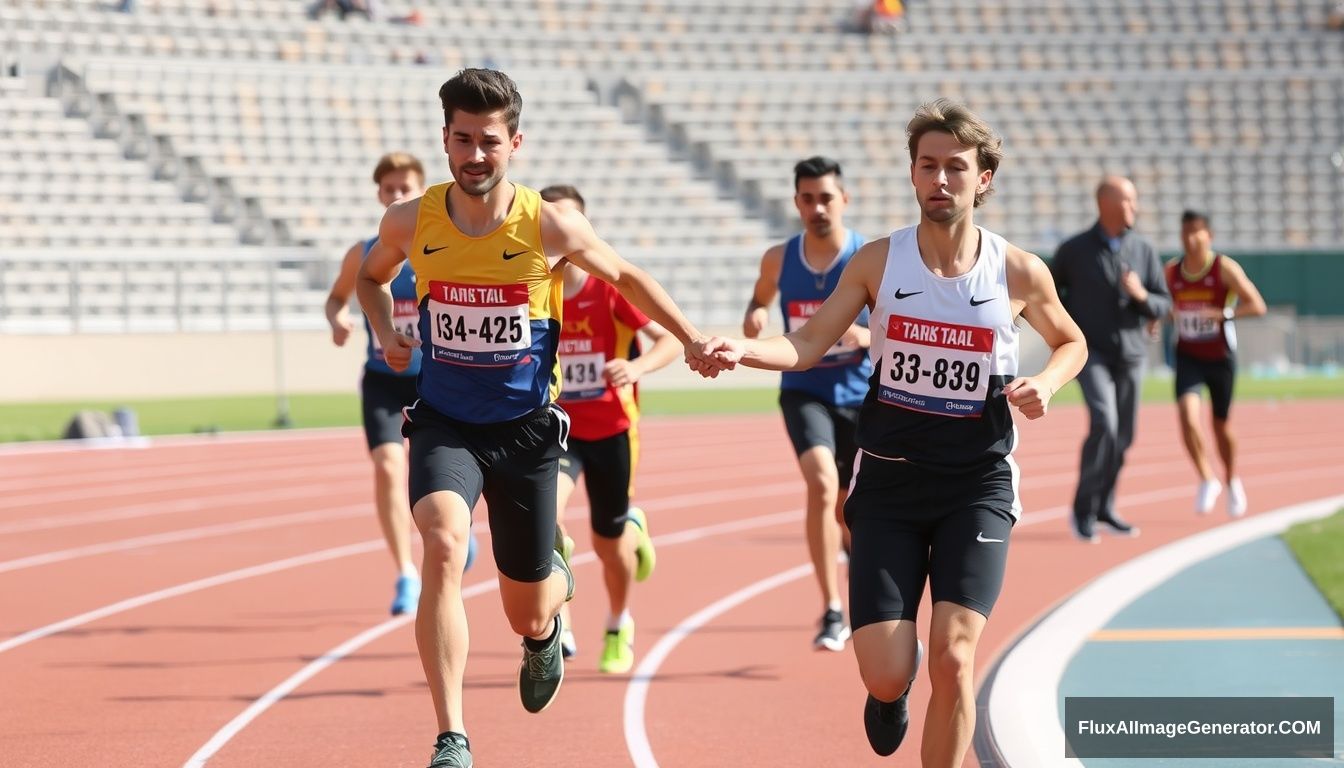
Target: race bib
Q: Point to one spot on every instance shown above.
(405, 320)
(583, 376)
(935, 367)
(485, 325)
(799, 312)
(1198, 322)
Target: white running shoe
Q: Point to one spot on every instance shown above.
(1207, 495)
(1236, 498)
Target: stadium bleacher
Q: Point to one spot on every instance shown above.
(240, 124)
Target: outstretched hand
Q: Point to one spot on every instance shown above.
(1029, 396)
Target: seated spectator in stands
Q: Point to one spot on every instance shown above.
(342, 7)
(880, 16)
(1336, 18)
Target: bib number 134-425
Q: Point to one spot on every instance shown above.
(485, 325)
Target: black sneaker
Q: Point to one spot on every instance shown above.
(886, 722)
(1083, 531)
(834, 632)
(452, 750)
(542, 671)
(1115, 526)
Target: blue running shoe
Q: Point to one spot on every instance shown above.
(471, 549)
(408, 595)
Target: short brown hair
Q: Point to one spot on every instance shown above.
(481, 92)
(556, 192)
(397, 161)
(946, 116)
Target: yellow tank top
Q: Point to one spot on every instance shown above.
(490, 312)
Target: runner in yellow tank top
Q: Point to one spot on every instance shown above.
(488, 256)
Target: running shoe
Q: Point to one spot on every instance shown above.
(542, 670)
(618, 650)
(645, 557)
(1207, 495)
(1236, 498)
(886, 722)
(471, 550)
(407, 595)
(569, 647)
(452, 750)
(834, 632)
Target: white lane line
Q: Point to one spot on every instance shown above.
(636, 692)
(177, 506)
(136, 489)
(189, 587)
(287, 686)
(1024, 701)
(186, 534)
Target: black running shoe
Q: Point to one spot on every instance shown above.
(452, 750)
(541, 672)
(834, 632)
(886, 722)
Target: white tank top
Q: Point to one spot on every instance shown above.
(942, 350)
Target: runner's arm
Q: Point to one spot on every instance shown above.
(566, 234)
(338, 299)
(764, 292)
(378, 270)
(1249, 301)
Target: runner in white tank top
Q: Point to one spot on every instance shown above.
(936, 495)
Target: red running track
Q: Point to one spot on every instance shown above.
(223, 601)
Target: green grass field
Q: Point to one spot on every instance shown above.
(1318, 545)
(46, 421)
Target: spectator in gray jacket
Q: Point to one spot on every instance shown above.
(1111, 281)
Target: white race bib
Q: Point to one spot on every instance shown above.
(935, 367)
(484, 325)
(583, 376)
(799, 312)
(405, 320)
(1198, 322)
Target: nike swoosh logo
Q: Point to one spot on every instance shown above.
(977, 302)
(900, 295)
(980, 537)
(508, 255)
(429, 250)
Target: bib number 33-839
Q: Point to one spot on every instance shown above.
(483, 325)
(935, 367)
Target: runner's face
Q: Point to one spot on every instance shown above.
(821, 204)
(400, 185)
(479, 148)
(946, 177)
(1196, 237)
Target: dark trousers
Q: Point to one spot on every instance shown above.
(1111, 389)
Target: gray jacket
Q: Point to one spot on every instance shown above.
(1088, 273)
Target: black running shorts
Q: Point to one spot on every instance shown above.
(606, 466)
(811, 421)
(1218, 375)
(514, 464)
(908, 525)
(382, 396)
